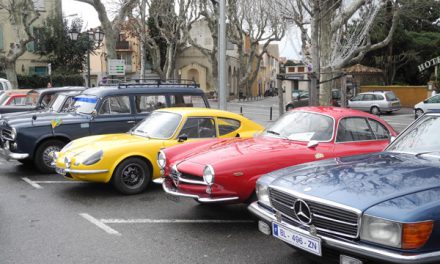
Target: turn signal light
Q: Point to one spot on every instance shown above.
(415, 235)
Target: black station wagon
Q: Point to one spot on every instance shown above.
(101, 110)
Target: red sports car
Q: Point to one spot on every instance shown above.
(225, 170)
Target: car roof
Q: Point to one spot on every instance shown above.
(336, 112)
(199, 111)
(102, 91)
(58, 89)
(373, 92)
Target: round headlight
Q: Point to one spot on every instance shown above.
(161, 159)
(13, 133)
(208, 174)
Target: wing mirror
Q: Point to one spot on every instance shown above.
(182, 138)
(312, 143)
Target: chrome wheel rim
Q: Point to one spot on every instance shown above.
(133, 176)
(47, 159)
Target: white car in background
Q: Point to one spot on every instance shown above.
(432, 103)
(5, 85)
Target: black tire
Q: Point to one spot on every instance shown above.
(418, 113)
(375, 110)
(389, 112)
(42, 160)
(132, 176)
(289, 107)
(26, 162)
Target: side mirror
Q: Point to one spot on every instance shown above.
(312, 143)
(182, 138)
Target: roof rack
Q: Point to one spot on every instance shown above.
(158, 83)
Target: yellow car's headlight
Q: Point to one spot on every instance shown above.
(93, 158)
(161, 159)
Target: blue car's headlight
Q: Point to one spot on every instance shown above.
(262, 190)
(381, 231)
(93, 158)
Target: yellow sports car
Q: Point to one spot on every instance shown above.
(129, 160)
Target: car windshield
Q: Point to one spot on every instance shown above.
(85, 104)
(32, 98)
(421, 138)
(57, 102)
(302, 126)
(160, 125)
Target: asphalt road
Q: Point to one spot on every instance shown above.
(47, 219)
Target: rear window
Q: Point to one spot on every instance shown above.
(390, 96)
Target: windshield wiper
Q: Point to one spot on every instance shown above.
(425, 152)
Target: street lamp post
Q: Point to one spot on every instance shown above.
(94, 40)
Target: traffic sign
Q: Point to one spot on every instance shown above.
(116, 67)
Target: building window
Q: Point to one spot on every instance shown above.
(300, 69)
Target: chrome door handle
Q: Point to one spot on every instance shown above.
(130, 122)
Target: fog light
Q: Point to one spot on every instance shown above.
(264, 228)
(349, 260)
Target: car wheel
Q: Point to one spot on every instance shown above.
(419, 112)
(131, 176)
(26, 162)
(289, 107)
(389, 112)
(43, 159)
(375, 110)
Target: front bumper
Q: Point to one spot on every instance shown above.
(169, 188)
(355, 248)
(6, 154)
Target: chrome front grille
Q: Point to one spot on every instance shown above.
(7, 134)
(177, 177)
(326, 218)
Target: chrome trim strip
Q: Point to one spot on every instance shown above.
(85, 171)
(203, 200)
(191, 181)
(334, 220)
(363, 250)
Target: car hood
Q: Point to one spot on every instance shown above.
(260, 154)
(45, 118)
(361, 181)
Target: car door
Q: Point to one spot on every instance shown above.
(433, 103)
(357, 135)
(113, 116)
(356, 102)
(368, 101)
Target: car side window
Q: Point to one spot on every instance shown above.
(18, 101)
(368, 97)
(149, 103)
(379, 97)
(434, 100)
(178, 100)
(227, 125)
(357, 97)
(379, 130)
(115, 105)
(46, 99)
(199, 127)
(354, 129)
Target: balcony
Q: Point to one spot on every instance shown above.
(123, 45)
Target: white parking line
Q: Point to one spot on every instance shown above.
(36, 184)
(173, 221)
(100, 224)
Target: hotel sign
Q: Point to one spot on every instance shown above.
(429, 63)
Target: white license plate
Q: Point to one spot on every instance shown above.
(60, 171)
(308, 243)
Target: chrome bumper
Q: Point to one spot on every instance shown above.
(355, 248)
(63, 171)
(8, 155)
(169, 189)
(159, 180)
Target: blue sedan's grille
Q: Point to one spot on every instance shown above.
(327, 219)
(6, 134)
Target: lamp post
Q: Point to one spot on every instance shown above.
(94, 40)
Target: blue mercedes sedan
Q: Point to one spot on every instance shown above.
(382, 207)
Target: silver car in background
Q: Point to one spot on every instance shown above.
(432, 103)
(375, 102)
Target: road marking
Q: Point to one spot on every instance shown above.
(173, 221)
(100, 224)
(36, 184)
(32, 183)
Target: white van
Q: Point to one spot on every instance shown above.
(5, 85)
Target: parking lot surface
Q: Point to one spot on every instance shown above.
(48, 219)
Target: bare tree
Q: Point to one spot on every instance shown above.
(339, 33)
(253, 25)
(21, 15)
(111, 28)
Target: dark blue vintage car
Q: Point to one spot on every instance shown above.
(102, 110)
(382, 207)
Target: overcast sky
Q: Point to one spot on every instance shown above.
(90, 17)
